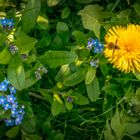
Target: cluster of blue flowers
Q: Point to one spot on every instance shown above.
(9, 102)
(95, 45)
(7, 23)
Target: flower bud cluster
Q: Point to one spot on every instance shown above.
(94, 63)
(39, 71)
(9, 102)
(13, 49)
(95, 45)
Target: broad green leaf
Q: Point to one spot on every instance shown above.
(65, 12)
(57, 105)
(137, 74)
(108, 132)
(93, 90)
(80, 37)
(90, 75)
(44, 41)
(84, 1)
(32, 137)
(25, 44)
(12, 132)
(30, 14)
(132, 128)
(2, 38)
(63, 31)
(30, 79)
(57, 43)
(43, 22)
(2, 77)
(134, 138)
(137, 8)
(5, 114)
(58, 58)
(75, 78)
(112, 89)
(29, 124)
(15, 72)
(5, 56)
(63, 73)
(52, 3)
(46, 95)
(69, 105)
(80, 100)
(59, 137)
(116, 124)
(92, 17)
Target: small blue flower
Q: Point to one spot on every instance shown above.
(21, 111)
(14, 113)
(6, 82)
(14, 106)
(11, 98)
(6, 106)
(2, 100)
(3, 86)
(9, 122)
(19, 119)
(12, 90)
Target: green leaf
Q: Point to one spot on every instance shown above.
(63, 73)
(75, 78)
(137, 8)
(137, 74)
(58, 58)
(84, 1)
(57, 105)
(29, 124)
(2, 77)
(5, 114)
(134, 138)
(57, 43)
(25, 44)
(69, 105)
(93, 90)
(52, 3)
(112, 89)
(65, 13)
(108, 132)
(30, 14)
(92, 17)
(2, 39)
(63, 31)
(16, 74)
(30, 78)
(5, 56)
(80, 100)
(32, 137)
(90, 75)
(131, 128)
(43, 22)
(116, 124)
(46, 95)
(59, 137)
(80, 37)
(12, 132)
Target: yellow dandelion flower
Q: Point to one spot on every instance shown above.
(123, 47)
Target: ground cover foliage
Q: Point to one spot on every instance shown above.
(68, 90)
